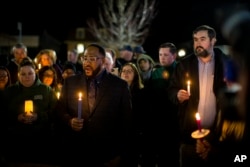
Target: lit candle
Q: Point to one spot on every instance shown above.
(28, 107)
(39, 66)
(188, 87)
(198, 120)
(80, 106)
(58, 95)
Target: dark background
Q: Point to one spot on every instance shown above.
(174, 22)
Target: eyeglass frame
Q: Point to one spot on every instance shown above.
(129, 71)
(90, 58)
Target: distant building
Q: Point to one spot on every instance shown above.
(34, 43)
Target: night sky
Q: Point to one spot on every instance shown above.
(173, 23)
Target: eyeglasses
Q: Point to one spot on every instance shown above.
(90, 59)
(127, 71)
(3, 76)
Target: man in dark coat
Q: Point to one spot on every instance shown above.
(204, 69)
(97, 135)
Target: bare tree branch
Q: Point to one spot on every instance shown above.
(123, 22)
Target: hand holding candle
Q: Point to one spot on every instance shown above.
(200, 133)
(198, 120)
(80, 106)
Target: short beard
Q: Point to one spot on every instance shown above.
(203, 53)
(96, 71)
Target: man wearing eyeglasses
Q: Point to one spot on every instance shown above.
(94, 134)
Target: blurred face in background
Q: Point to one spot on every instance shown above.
(27, 76)
(19, 54)
(127, 74)
(48, 77)
(144, 65)
(46, 60)
(72, 56)
(3, 79)
(112, 53)
(126, 55)
(166, 58)
(108, 62)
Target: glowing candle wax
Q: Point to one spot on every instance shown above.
(28, 107)
(80, 106)
(188, 87)
(39, 66)
(198, 120)
(58, 95)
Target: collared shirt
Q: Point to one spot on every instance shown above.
(93, 86)
(207, 102)
(97, 79)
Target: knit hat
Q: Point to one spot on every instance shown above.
(139, 49)
(126, 47)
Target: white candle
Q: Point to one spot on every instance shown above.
(58, 95)
(39, 66)
(80, 106)
(188, 87)
(28, 107)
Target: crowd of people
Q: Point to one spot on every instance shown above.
(101, 109)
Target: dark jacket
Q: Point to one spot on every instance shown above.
(44, 101)
(30, 142)
(106, 128)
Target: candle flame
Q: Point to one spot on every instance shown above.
(188, 82)
(80, 96)
(58, 95)
(39, 66)
(197, 116)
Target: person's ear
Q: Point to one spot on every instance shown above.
(214, 41)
